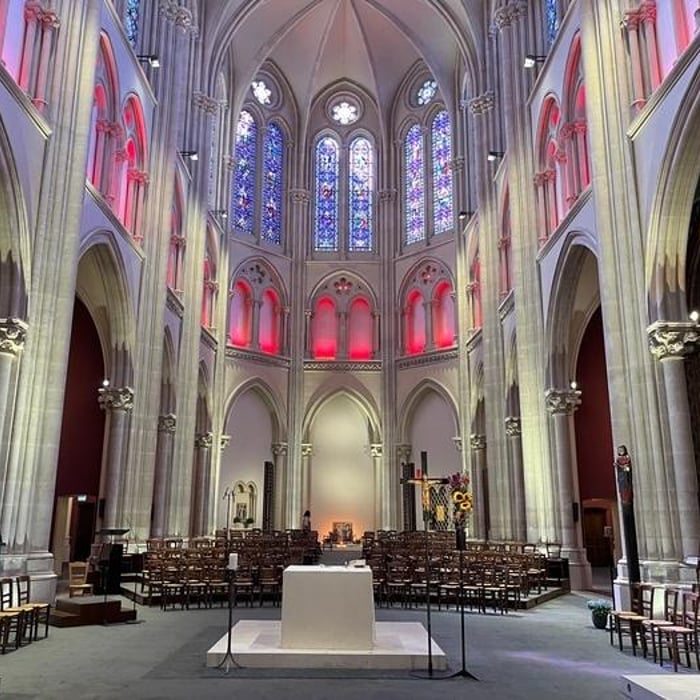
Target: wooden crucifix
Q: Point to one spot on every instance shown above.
(425, 482)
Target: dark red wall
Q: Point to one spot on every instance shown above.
(80, 452)
(594, 447)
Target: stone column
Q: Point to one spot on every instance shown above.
(376, 451)
(167, 425)
(215, 489)
(477, 444)
(630, 23)
(117, 402)
(342, 337)
(515, 452)
(255, 324)
(561, 404)
(670, 342)
(12, 336)
(280, 450)
(305, 495)
(202, 480)
(429, 339)
(403, 455)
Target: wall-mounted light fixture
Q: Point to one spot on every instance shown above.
(494, 155)
(531, 60)
(694, 315)
(192, 155)
(149, 58)
(221, 213)
(465, 215)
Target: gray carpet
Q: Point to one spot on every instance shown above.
(549, 652)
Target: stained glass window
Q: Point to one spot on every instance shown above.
(131, 21)
(345, 113)
(552, 19)
(262, 93)
(426, 92)
(361, 194)
(441, 144)
(243, 204)
(327, 167)
(273, 162)
(414, 200)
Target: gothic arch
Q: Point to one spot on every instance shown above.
(413, 400)
(260, 275)
(102, 286)
(278, 415)
(565, 323)
(335, 284)
(358, 394)
(671, 209)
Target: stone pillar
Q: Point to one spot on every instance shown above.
(12, 336)
(403, 455)
(305, 495)
(280, 450)
(429, 339)
(118, 403)
(376, 451)
(480, 487)
(561, 405)
(201, 485)
(670, 342)
(630, 23)
(215, 490)
(308, 325)
(342, 337)
(515, 452)
(167, 425)
(255, 324)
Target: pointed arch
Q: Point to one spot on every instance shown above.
(269, 397)
(414, 399)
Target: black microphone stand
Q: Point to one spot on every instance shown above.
(228, 659)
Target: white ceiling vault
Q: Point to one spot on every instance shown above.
(372, 43)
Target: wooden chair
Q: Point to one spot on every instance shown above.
(650, 628)
(77, 579)
(12, 618)
(630, 621)
(38, 611)
(687, 631)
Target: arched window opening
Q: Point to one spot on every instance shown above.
(273, 167)
(98, 124)
(241, 317)
(445, 327)
(441, 141)
(361, 194)
(325, 330)
(176, 253)
(245, 158)
(131, 21)
(504, 251)
(269, 334)
(360, 330)
(474, 292)
(547, 180)
(414, 185)
(134, 178)
(416, 336)
(327, 173)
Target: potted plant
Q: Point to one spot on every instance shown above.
(248, 522)
(599, 612)
(237, 522)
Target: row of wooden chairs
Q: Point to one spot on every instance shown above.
(678, 630)
(20, 616)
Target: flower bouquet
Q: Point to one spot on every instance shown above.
(462, 503)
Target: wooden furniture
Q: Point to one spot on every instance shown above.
(77, 579)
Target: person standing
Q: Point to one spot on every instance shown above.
(306, 521)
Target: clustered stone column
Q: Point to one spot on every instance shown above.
(167, 425)
(477, 444)
(118, 403)
(305, 494)
(376, 451)
(202, 480)
(403, 454)
(514, 432)
(280, 451)
(670, 343)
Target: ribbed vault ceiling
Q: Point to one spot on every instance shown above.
(372, 43)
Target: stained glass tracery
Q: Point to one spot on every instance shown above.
(441, 145)
(131, 21)
(361, 191)
(414, 187)
(327, 171)
(552, 11)
(243, 204)
(426, 92)
(273, 162)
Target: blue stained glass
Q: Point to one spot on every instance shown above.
(414, 185)
(441, 143)
(273, 161)
(243, 204)
(552, 19)
(361, 194)
(326, 214)
(131, 21)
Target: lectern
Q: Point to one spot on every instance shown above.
(109, 561)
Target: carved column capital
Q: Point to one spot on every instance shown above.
(403, 451)
(564, 401)
(13, 333)
(207, 104)
(481, 104)
(457, 441)
(116, 398)
(513, 426)
(167, 423)
(509, 13)
(376, 449)
(673, 339)
(307, 449)
(299, 196)
(204, 440)
(477, 442)
(224, 442)
(280, 449)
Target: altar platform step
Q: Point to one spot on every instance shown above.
(88, 610)
(398, 645)
(659, 686)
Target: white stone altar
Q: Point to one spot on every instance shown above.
(327, 607)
